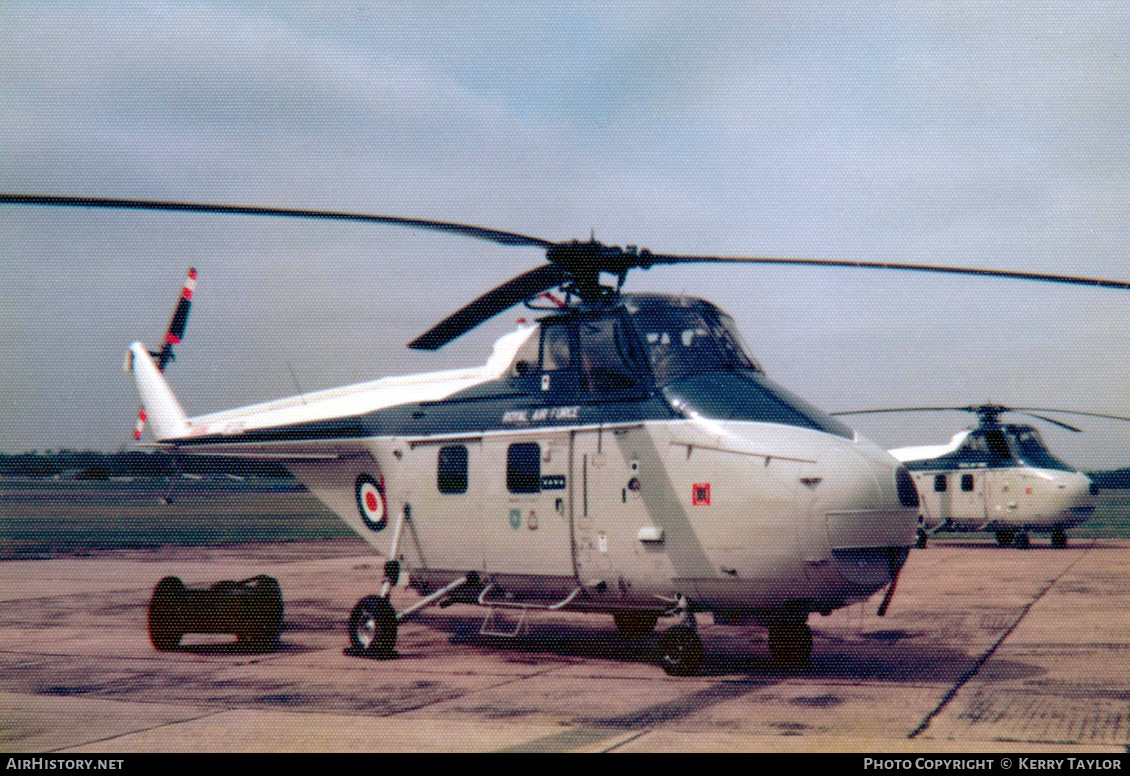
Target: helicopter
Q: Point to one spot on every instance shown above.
(997, 477)
(621, 455)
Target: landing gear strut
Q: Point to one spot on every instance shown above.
(373, 622)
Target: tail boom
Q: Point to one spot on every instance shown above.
(159, 404)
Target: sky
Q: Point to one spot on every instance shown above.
(967, 134)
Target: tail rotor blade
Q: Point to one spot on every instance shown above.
(175, 332)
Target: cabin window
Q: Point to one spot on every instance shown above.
(451, 477)
(526, 358)
(940, 483)
(523, 468)
(967, 482)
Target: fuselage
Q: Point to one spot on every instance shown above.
(998, 478)
(612, 458)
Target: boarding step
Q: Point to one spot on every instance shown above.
(494, 624)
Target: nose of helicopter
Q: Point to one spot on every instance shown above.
(1078, 499)
(870, 515)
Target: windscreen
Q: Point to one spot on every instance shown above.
(1031, 450)
(685, 341)
(700, 365)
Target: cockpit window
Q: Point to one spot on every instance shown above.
(986, 447)
(685, 341)
(997, 444)
(751, 396)
(1031, 450)
(609, 359)
(702, 368)
(555, 348)
(1007, 446)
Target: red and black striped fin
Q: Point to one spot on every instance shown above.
(175, 333)
(173, 336)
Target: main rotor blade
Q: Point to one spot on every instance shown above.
(1059, 423)
(490, 304)
(478, 232)
(650, 259)
(1067, 412)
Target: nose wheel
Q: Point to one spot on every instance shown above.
(680, 651)
(1059, 540)
(372, 627)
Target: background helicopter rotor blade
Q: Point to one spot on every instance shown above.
(989, 412)
(1059, 423)
(491, 303)
(1067, 412)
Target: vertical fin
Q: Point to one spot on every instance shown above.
(173, 335)
(159, 404)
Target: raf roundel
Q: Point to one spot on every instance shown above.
(371, 503)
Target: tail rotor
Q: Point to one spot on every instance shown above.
(173, 336)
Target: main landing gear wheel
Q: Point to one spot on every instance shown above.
(372, 627)
(1022, 541)
(1004, 538)
(790, 643)
(680, 651)
(1059, 539)
(635, 625)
